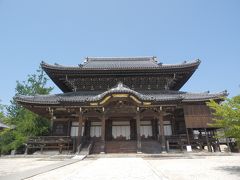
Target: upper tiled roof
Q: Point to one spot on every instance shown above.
(168, 76)
(119, 62)
(112, 63)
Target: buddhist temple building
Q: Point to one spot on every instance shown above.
(126, 104)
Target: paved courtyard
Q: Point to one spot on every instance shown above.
(16, 165)
(129, 167)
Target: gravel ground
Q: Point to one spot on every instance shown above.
(133, 167)
(199, 168)
(104, 168)
(14, 165)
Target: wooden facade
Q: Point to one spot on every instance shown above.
(125, 105)
(197, 116)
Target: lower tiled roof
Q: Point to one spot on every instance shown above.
(93, 96)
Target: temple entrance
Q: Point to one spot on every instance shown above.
(121, 135)
(121, 130)
(146, 129)
(121, 126)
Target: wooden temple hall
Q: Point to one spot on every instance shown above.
(117, 105)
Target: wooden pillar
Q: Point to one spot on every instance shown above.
(154, 128)
(133, 129)
(69, 128)
(173, 125)
(110, 129)
(218, 148)
(87, 128)
(188, 140)
(200, 140)
(103, 124)
(51, 126)
(138, 131)
(79, 140)
(162, 136)
(51, 123)
(228, 144)
(208, 145)
(218, 145)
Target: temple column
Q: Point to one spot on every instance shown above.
(80, 120)
(188, 139)
(138, 131)
(51, 120)
(162, 136)
(207, 140)
(154, 128)
(103, 124)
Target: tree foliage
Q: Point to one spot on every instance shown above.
(227, 116)
(26, 123)
(1, 112)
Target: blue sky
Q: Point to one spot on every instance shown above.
(67, 31)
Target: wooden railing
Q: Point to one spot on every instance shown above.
(49, 142)
(181, 141)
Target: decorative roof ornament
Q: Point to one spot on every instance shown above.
(120, 85)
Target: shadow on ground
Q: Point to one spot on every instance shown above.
(230, 169)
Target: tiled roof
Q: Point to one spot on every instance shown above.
(91, 96)
(68, 78)
(38, 99)
(118, 63)
(95, 63)
(190, 97)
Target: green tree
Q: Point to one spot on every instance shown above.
(1, 112)
(227, 116)
(26, 123)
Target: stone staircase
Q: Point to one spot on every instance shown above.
(151, 147)
(85, 149)
(121, 147)
(96, 149)
(118, 146)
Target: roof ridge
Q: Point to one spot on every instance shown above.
(121, 58)
(151, 59)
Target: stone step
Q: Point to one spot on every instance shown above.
(151, 147)
(121, 147)
(96, 147)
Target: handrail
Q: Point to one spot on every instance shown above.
(81, 144)
(90, 147)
